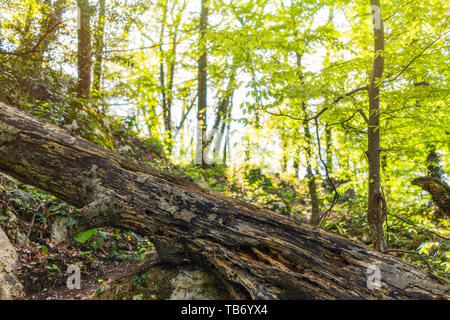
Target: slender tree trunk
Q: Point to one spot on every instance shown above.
(226, 145)
(173, 62)
(180, 131)
(258, 254)
(222, 114)
(374, 213)
(167, 117)
(329, 146)
(83, 57)
(99, 47)
(284, 150)
(202, 86)
(171, 75)
(225, 124)
(224, 155)
(296, 162)
(84, 50)
(312, 186)
(247, 148)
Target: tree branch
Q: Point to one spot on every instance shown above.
(35, 47)
(415, 58)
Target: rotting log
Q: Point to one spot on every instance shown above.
(439, 191)
(162, 282)
(257, 253)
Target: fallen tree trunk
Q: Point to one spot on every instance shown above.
(257, 254)
(439, 191)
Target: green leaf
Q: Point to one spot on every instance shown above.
(71, 222)
(44, 249)
(53, 267)
(98, 292)
(82, 237)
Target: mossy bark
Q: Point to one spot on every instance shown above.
(257, 253)
(439, 191)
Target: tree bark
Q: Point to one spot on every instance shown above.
(312, 187)
(222, 109)
(202, 86)
(375, 215)
(329, 146)
(257, 253)
(84, 64)
(99, 47)
(439, 191)
(167, 111)
(84, 49)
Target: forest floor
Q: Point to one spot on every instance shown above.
(43, 279)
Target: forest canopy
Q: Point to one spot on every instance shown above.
(332, 112)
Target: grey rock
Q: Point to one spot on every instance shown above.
(23, 195)
(59, 232)
(10, 286)
(279, 207)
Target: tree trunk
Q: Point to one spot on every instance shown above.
(83, 58)
(375, 215)
(312, 186)
(433, 165)
(99, 47)
(329, 146)
(439, 191)
(226, 128)
(284, 150)
(167, 116)
(257, 253)
(84, 50)
(222, 112)
(202, 86)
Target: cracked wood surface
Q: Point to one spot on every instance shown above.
(259, 254)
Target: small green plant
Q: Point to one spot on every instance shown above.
(83, 237)
(53, 267)
(137, 280)
(44, 249)
(84, 252)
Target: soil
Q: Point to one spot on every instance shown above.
(44, 276)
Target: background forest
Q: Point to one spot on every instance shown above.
(326, 111)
